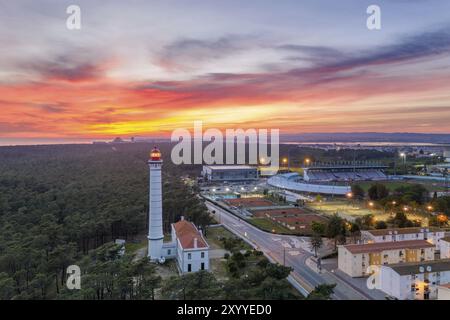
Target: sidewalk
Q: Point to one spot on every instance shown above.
(329, 277)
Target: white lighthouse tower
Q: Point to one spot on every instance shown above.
(155, 225)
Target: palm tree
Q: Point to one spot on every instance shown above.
(316, 243)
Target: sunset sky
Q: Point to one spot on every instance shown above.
(145, 68)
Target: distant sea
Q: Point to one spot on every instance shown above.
(373, 144)
(362, 138)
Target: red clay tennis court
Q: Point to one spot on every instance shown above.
(249, 202)
(289, 212)
(300, 223)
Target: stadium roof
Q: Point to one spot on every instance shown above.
(346, 167)
(237, 167)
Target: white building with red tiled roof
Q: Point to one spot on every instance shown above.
(192, 250)
(430, 234)
(355, 259)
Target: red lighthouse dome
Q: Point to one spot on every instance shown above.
(155, 155)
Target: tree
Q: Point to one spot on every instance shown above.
(355, 231)
(381, 225)
(413, 192)
(7, 288)
(315, 243)
(277, 271)
(400, 220)
(378, 191)
(335, 229)
(322, 292)
(200, 285)
(318, 228)
(358, 192)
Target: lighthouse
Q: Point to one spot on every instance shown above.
(155, 226)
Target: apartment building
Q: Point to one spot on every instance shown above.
(355, 259)
(416, 280)
(430, 234)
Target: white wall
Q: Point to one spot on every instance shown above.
(194, 258)
(432, 237)
(444, 247)
(399, 286)
(280, 181)
(443, 293)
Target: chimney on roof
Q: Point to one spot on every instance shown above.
(195, 243)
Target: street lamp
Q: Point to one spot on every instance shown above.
(307, 161)
(403, 156)
(371, 204)
(285, 161)
(349, 196)
(442, 218)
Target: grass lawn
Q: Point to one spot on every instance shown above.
(270, 226)
(131, 247)
(219, 268)
(351, 211)
(214, 235)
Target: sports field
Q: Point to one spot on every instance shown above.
(249, 202)
(351, 211)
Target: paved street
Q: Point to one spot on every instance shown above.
(292, 251)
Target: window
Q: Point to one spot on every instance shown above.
(189, 256)
(202, 266)
(169, 252)
(189, 267)
(202, 255)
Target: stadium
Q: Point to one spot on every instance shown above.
(358, 171)
(329, 178)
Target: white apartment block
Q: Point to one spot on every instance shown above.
(430, 234)
(191, 248)
(355, 259)
(444, 248)
(415, 281)
(444, 292)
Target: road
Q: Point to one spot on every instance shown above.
(291, 251)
